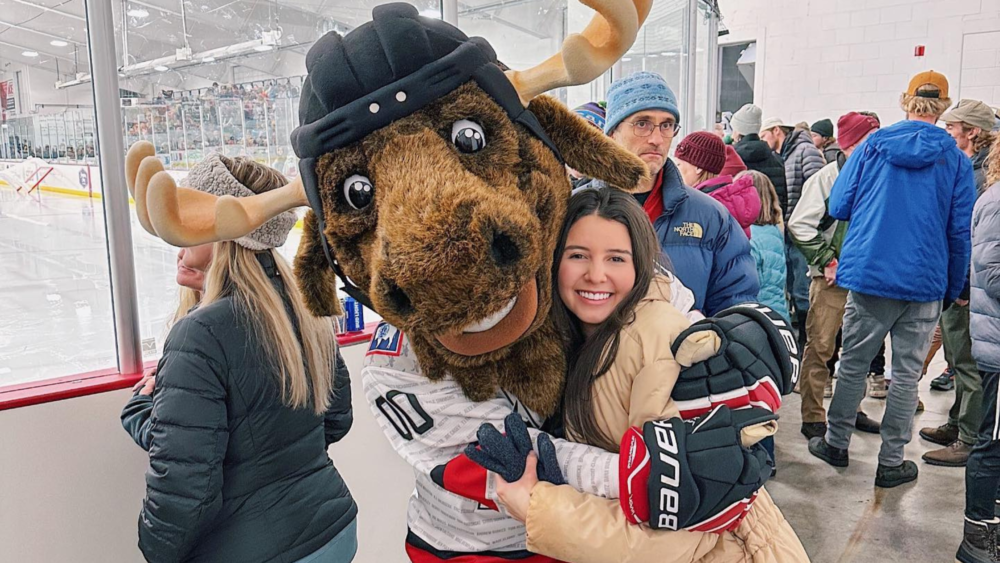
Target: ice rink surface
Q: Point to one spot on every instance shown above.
(56, 314)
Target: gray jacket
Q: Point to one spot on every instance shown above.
(984, 299)
(802, 160)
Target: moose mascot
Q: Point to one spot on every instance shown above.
(436, 185)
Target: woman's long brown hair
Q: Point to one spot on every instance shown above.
(591, 357)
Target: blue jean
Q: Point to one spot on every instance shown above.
(797, 278)
(341, 549)
(867, 319)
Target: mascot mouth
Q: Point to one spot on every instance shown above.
(497, 330)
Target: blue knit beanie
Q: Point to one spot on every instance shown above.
(638, 92)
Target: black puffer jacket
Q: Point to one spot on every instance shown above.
(235, 475)
(758, 156)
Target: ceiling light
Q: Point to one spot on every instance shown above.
(137, 13)
(161, 68)
(58, 43)
(263, 48)
(208, 60)
(29, 54)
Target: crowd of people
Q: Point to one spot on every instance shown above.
(853, 233)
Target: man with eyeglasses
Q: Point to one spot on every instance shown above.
(708, 250)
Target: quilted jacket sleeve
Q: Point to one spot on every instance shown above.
(190, 434)
(135, 419)
(577, 528)
(988, 260)
(733, 279)
(340, 415)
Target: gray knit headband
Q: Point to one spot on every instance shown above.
(212, 176)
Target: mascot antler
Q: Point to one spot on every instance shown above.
(185, 217)
(586, 55)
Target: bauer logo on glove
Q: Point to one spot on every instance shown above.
(698, 475)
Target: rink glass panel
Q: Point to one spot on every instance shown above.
(58, 317)
(55, 298)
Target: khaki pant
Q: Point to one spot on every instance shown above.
(967, 411)
(826, 314)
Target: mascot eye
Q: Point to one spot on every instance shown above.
(359, 191)
(468, 136)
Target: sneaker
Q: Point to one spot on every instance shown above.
(944, 382)
(834, 456)
(942, 435)
(878, 389)
(865, 423)
(979, 542)
(888, 477)
(813, 430)
(955, 454)
(828, 390)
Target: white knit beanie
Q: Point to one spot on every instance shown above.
(746, 121)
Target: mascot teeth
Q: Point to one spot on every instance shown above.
(492, 320)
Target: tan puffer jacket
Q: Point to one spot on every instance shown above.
(571, 526)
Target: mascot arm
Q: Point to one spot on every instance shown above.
(430, 423)
(575, 527)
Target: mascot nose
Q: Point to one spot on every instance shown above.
(504, 249)
(397, 298)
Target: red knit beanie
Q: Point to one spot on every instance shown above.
(852, 127)
(734, 164)
(703, 150)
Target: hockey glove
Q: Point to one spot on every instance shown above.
(757, 362)
(693, 475)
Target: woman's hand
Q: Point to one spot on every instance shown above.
(146, 384)
(515, 496)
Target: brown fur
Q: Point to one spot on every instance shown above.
(586, 148)
(430, 229)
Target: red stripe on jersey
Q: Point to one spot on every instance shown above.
(418, 555)
(465, 478)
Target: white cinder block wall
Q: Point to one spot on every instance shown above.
(822, 58)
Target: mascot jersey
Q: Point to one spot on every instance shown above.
(429, 423)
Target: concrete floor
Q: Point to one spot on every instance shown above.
(839, 514)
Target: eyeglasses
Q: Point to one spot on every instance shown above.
(644, 128)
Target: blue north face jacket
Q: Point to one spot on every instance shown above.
(908, 192)
(709, 252)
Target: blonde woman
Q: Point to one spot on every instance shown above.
(245, 406)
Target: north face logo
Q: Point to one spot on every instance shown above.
(690, 230)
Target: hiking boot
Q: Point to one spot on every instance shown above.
(944, 382)
(979, 543)
(865, 423)
(955, 454)
(828, 390)
(878, 388)
(942, 435)
(834, 456)
(813, 430)
(889, 477)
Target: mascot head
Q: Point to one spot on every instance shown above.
(437, 186)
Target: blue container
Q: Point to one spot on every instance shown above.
(355, 315)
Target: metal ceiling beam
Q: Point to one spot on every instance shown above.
(22, 47)
(52, 10)
(42, 33)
